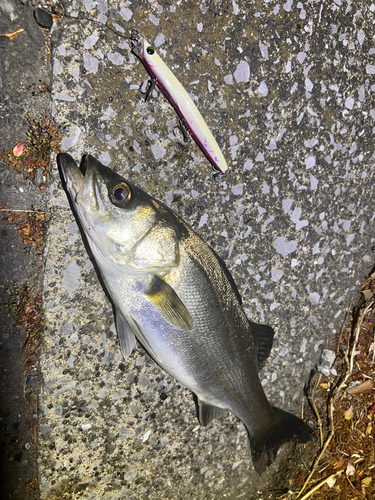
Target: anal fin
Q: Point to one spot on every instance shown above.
(207, 412)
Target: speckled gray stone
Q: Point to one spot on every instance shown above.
(43, 18)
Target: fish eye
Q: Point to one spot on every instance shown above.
(150, 50)
(121, 193)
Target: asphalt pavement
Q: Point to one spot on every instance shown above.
(23, 66)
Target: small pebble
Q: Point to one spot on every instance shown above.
(43, 18)
(38, 179)
(326, 361)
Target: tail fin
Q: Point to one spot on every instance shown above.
(285, 427)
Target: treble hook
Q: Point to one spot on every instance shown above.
(135, 36)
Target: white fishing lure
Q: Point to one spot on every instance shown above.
(163, 77)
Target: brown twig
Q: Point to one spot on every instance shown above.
(354, 345)
(342, 329)
(12, 34)
(312, 401)
(335, 394)
(357, 492)
(319, 485)
(318, 458)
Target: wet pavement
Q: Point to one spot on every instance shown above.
(23, 64)
(288, 91)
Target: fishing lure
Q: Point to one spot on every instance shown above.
(164, 79)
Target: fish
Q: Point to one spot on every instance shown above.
(164, 79)
(172, 292)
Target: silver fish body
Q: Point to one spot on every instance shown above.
(174, 294)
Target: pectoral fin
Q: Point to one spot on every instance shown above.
(207, 412)
(166, 300)
(125, 335)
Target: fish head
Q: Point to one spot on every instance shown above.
(125, 227)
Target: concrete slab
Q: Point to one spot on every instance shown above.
(287, 89)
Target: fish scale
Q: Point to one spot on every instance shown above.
(172, 292)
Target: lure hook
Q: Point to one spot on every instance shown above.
(135, 37)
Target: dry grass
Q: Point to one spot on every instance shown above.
(33, 154)
(31, 225)
(344, 406)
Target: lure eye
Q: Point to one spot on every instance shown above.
(150, 50)
(121, 194)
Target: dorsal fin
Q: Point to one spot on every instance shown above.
(227, 275)
(263, 339)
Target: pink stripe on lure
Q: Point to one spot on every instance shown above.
(180, 100)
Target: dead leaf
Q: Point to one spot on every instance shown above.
(366, 386)
(340, 463)
(33, 426)
(348, 413)
(32, 483)
(331, 481)
(33, 423)
(367, 294)
(366, 482)
(350, 469)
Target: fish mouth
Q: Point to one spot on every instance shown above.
(80, 181)
(72, 174)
